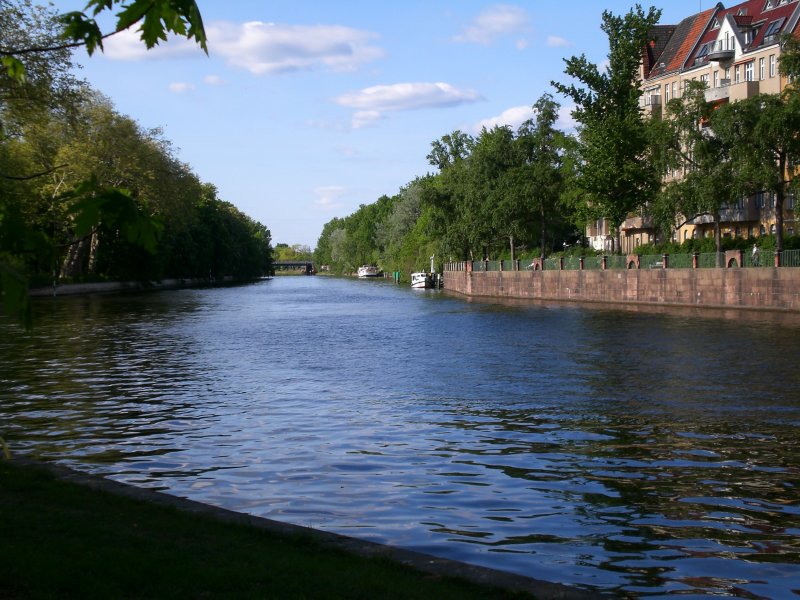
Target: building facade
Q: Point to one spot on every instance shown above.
(735, 53)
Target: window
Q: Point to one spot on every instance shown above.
(772, 31)
(761, 68)
(716, 79)
(704, 80)
(674, 89)
(728, 74)
(715, 24)
(769, 5)
(772, 65)
(748, 71)
(772, 229)
(666, 93)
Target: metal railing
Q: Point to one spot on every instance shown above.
(703, 260)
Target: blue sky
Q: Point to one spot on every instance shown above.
(306, 109)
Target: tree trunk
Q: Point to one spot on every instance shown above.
(779, 197)
(544, 231)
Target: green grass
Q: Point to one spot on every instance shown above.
(63, 540)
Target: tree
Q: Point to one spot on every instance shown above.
(694, 140)
(614, 175)
(33, 72)
(541, 177)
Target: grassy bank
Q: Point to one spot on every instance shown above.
(63, 540)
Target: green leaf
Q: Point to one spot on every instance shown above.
(14, 68)
(79, 28)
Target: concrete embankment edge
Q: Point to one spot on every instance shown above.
(542, 590)
(723, 292)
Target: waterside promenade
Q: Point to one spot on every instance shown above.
(637, 280)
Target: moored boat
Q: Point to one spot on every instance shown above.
(421, 280)
(368, 271)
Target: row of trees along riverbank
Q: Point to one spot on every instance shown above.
(89, 194)
(528, 192)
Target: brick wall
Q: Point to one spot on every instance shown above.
(764, 288)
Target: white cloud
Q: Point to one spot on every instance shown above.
(555, 41)
(513, 117)
(497, 21)
(213, 80)
(328, 196)
(178, 87)
(261, 48)
(566, 122)
(127, 45)
(373, 102)
(517, 115)
(266, 48)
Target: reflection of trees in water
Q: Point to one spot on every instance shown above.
(646, 490)
(99, 365)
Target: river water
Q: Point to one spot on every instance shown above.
(646, 455)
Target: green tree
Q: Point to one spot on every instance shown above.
(614, 174)
(694, 142)
(34, 48)
(541, 177)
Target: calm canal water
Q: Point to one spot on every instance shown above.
(638, 454)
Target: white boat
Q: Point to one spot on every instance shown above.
(421, 280)
(368, 271)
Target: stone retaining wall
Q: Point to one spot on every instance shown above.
(756, 288)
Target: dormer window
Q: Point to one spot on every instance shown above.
(741, 12)
(704, 49)
(715, 24)
(769, 5)
(773, 30)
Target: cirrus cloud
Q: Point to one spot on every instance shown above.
(554, 41)
(374, 102)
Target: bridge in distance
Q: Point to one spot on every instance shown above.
(295, 265)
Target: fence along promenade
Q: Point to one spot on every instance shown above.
(733, 279)
(699, 260)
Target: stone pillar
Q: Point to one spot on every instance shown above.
(695, 260)
(665, 261)
(501, 264)
(469, 266)
(604, 263)
(561, 263)
(516, 265)
(777, 259)
(580, 262)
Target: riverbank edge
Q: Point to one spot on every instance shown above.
(752, 294)
(484, 576)
(113, 287)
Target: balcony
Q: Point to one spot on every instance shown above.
(652, 106)
(638, 222)
(745, 212)
(721, 55)
(719, 93)
(743, 90)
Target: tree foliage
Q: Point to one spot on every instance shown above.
(613, 174)
(86, 192)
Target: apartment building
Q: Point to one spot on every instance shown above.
(734, 52)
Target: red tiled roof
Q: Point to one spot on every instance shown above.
(753, 12)
(680, 43)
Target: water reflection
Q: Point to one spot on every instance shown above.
(641, 454)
